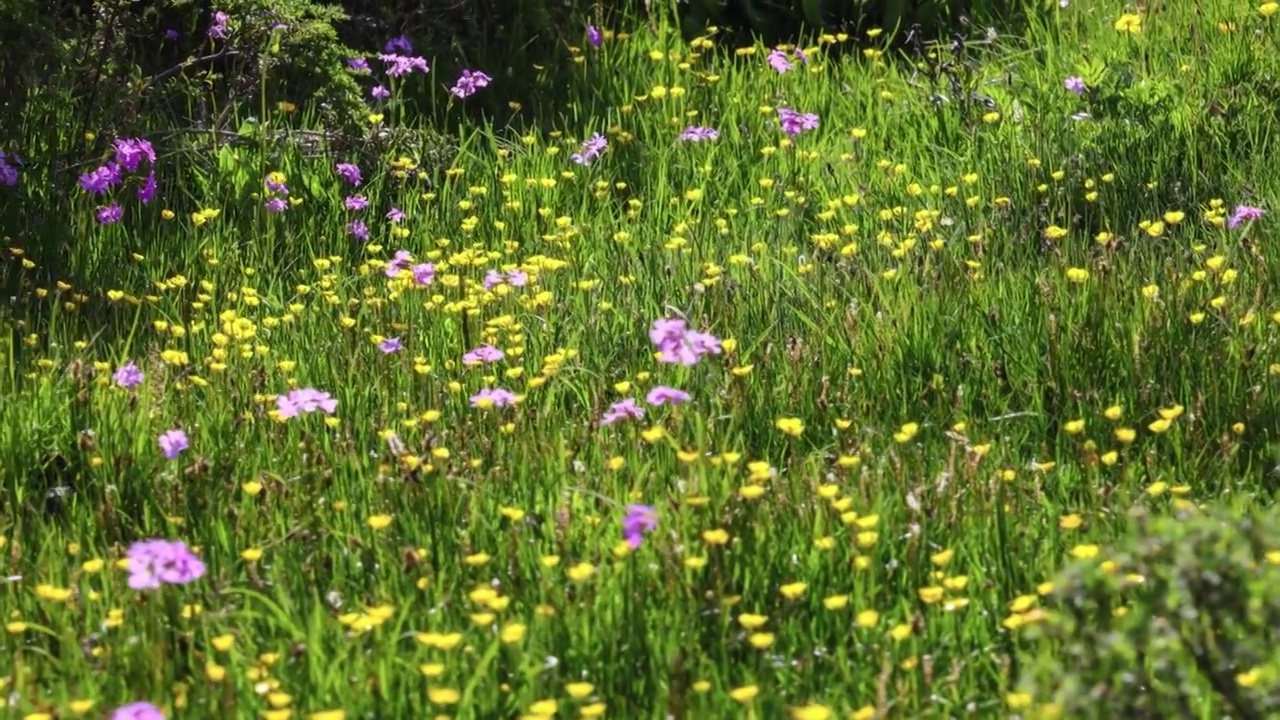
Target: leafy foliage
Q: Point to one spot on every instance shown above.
(1186, 612)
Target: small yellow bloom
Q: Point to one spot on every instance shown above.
(379, 522)
(1084, 552)
(744, 694)
(443, 696)
(790, 426)
(1129, 23)
(791, 591)
(811, 712)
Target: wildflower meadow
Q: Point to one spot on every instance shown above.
(815, 380)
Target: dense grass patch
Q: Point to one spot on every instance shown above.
(759, 382)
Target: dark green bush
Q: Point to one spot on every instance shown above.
(1182, 622)
(907, 20)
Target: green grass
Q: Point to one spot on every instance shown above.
(898, 265)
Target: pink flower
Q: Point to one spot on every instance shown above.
(622, 410)
(482, 355)
(663, 395)
(493, 398)
(153, 563)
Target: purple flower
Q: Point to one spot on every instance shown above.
(423, 274)
(9, 172)
(778, 59)
(483, 354)
(398, 262)
(622, 410)
(639, 520)
(276, 205)
(128, 376)
(130, 152)
(469, 82)
(696, 133)
(1244, 213)
(358, 230)
(137, 711)
(1075, 84)
(101, 180)
(379, 92)
(172, 442)
(678, 344)
(793, 123)
(591, 149)
(391, 345)
(276, 185)
(349, 173)
(663, 395)
(109, 215)
(218, 28)
(493, 278)
(399, 45)
(358, 64)
(399, 65)
(153, 563)
(305, 400)
(493, 398)
(594, 37)
(517, 278)
(355, 202)
(171, 35)
(148, 189)
(395, 215)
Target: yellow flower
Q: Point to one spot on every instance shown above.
(790, 426)
(579, 690)
(867, 619)
(1084, 552)
(1070, 522)
(866, 712)
(580, 572)
(811, 712)
(1018, 700)
(1129, 23)
(1073, 427)
(1077, 275)
(379, 522)
(328, 715)
(906, 433)
(760, 641)
(1268, 9)
(744, 694)
(512, 633)
(752, 621)
(443, 696)
(791, 591)
(930, 595)
(715, 537)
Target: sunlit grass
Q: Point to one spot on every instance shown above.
(933, 346)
